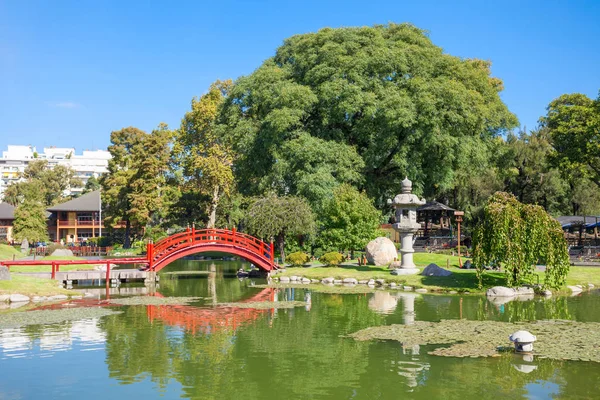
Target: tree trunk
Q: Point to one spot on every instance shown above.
(281, 245)
(212, 209)
(127, 241)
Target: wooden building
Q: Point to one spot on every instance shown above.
(7, 217)
(76, 220)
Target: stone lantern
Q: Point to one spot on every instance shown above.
(406, 225)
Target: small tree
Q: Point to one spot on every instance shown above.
(518, 236)
(30, 221)
(275, 217)
(350, 220)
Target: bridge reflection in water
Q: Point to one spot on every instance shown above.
(207, 320)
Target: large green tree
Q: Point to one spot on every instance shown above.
(205, 160)
(384, 96)
(573, 122)
(134, 189)
(274, 217)
(349, 221)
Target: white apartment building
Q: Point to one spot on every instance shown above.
(16, 158)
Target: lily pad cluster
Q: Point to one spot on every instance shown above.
(153, 301)
(556, 339)
(44, 317)
(265, 305)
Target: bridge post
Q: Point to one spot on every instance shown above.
(107, 274)
(150, 253)
(233, 232)
(193, 232)
(53, 275)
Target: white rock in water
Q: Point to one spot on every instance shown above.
(305, 280)
(381, 251)
(575, 289)
(408, 288)
(421, 290)
(284, 279)
(18, 298)
(434, 270)
(501, 291)
(62, 253)
(327, 280)
(293, 278)
(350, 280)
(380, 282)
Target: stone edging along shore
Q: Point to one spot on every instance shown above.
(17, 299)
(349, 282)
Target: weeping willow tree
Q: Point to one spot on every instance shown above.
(517, 236)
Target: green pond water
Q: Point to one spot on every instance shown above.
(203, 351)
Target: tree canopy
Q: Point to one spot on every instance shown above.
(349, 220)
(385, 95)
(274, 217)
(205, 160)
(573, 121)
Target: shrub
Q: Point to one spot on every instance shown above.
(54, 246)
(298, 258)
(333, 258)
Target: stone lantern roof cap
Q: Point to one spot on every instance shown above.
(522, 337)
(406, 185)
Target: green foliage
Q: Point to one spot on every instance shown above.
(91, 185)
(573, 121)
(332, 258)
(298, 258)
(349, 220)
(30, 222)
(134, 188)
(384, 96)
(517, 236)
(205, 160)
(275, 217)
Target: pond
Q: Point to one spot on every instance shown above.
(204, 351)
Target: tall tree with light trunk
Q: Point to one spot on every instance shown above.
(200, 152)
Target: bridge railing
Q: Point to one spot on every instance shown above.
(192, 237)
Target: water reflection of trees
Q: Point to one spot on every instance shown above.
(300, 354)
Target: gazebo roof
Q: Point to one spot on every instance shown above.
(435, 206)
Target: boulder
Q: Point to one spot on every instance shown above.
(393, 285)
(314, 281)
(293, 278)
(363, 282)
(58, 297)
(327, 280)
(338, 281)
(4, 273)
(62, 253)
(305, 281)
(407, 288)
(4, 298)
(524, 291)
(381, 251)
(350, 280)
(380, 282)
(18, 298)
(468, 265)
(500, 291)
(284, 279)
(421, 290)
(434, 270)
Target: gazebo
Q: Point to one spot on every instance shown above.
(434, 211)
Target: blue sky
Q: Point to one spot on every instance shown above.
(73, 71)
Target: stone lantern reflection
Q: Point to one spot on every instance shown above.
(406, 225)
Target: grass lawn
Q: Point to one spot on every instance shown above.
(30, 286)
(48, 268)
(7, 252)
(461, 280)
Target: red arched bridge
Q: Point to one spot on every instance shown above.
(191, 241)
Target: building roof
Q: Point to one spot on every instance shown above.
(568, 221)
(87, 202)
(434, 206)
(7, 211)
